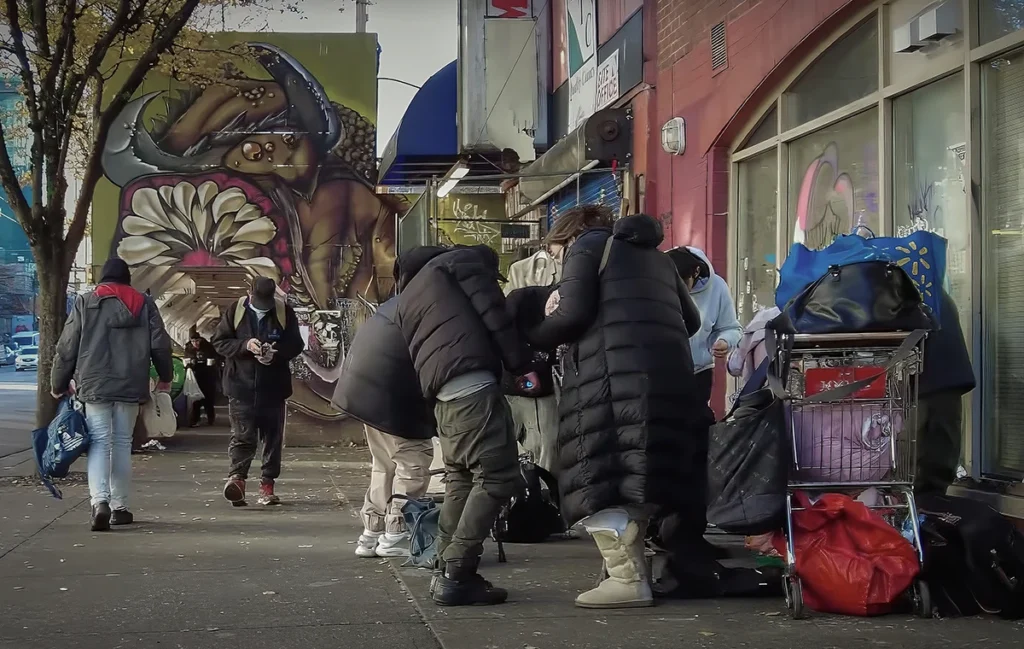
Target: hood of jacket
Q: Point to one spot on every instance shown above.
(412, 262)
(132, 300)
(640, 230)
(703, 283)
(717, 314)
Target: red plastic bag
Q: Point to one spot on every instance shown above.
(850, 561)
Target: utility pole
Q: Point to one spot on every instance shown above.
(362, 17)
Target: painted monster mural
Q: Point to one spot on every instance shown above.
(268, 173)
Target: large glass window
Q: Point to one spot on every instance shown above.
(833, 181)
(757, 181)
(997, 18)
(1002, 174)
(847, 71)
(929, 187)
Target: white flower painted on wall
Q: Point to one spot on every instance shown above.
(182, 225)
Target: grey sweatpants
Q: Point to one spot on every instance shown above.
(400, 467)
(481, 461)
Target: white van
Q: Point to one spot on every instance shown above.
(26, 339)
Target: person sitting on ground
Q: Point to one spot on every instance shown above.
(453, 317)
(630, 411)
(378, 386)
(111, 336)
(258, 336)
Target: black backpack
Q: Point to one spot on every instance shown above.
(532, 515)
(973, 558)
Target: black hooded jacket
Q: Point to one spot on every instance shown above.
(452, 314)
(632, 427)
(378, 384)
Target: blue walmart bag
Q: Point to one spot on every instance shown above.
(922, 255)
(61, 443)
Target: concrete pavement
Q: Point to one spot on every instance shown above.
(197, 573)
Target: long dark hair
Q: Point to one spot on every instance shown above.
(576, 220)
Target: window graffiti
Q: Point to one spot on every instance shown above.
(825, 201)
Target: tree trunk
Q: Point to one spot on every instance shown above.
(53, 286)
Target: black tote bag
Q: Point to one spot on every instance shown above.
(863, 297)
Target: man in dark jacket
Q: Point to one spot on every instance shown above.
(203, 360)
(452, 315)
(111, 336)
(948, 375)
(258, 336)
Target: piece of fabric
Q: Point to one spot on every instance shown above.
(536, 426)
(251, 426)
(378, 384)
(453, 316)
(61, 443)
(465, 385)
(110, 427)
(713, 298)
(539, 269)
(844, 442)
(947, 363)
(110, 337)
(526, 305)
(940, 418)
(849, 559)
(245, 378)
(751, 350)
(399, 467)
(481, 465)
(630, 416)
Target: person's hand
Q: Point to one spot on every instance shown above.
(254, 346)
(720, 349)
(552, 304)
(163, 387)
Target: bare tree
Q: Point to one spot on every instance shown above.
(80, 62)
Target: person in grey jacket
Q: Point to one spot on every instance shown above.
(109, 340)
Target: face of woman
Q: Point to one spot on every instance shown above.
(557, 250)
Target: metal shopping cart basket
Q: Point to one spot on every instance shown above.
(858, 435)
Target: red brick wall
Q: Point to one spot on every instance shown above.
(612, 14)
(765, 40)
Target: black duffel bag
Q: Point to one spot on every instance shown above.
(863, 297)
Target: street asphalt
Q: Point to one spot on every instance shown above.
(17, 410)
(196, 573)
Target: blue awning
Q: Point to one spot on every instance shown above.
(426, 142)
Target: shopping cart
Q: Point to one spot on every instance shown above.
(852, 420)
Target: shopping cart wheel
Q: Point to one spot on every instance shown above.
(921, 597)
(794, 597)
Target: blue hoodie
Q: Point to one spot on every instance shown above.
(717, 316)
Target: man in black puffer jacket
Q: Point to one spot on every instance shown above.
(453, 316)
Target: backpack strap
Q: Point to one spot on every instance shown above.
(606, 253)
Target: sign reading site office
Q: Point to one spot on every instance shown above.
(581, 42)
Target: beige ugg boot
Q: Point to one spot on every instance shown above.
(627, 585)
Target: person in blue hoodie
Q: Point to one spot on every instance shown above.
(720, 331)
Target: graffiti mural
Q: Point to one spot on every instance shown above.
(268, 172)
(825, 201)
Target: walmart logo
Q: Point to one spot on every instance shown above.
(914, 257)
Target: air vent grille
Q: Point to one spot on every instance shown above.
(719, 55)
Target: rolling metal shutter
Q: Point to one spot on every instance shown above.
(602, 187)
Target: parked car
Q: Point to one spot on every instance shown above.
(7, 355)
(27, 359)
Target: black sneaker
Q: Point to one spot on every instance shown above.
(100, 517)
(460, 585)
(122, 517)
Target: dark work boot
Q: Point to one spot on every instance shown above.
(100, 517)
(121, 517)
(460, 585)
(435, 572)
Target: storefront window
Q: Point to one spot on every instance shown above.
(833, 181)
(1002, 194)
(997, 18)
(929, 186)
(846, 72)
(767, 129)
(757, 181)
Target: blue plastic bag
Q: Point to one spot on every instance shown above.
(922, 255)
(61, 443)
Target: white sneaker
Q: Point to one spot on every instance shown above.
(393, 545)
(366, 546)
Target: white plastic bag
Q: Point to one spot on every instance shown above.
(191, 387)
(158, 416)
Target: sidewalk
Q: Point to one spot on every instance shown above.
(197, 573)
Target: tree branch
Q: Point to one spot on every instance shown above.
(12, 187)
(32, 100)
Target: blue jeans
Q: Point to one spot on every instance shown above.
(110, 425)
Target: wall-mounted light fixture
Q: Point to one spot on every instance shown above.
(452, 178)
(673, 136)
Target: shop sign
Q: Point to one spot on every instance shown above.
(509, 9)
(581, 43)
(608, 80)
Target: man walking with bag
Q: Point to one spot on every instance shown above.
(111, 336)
(202, 360)
(258, 336)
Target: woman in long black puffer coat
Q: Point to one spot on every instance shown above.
(630, 416)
